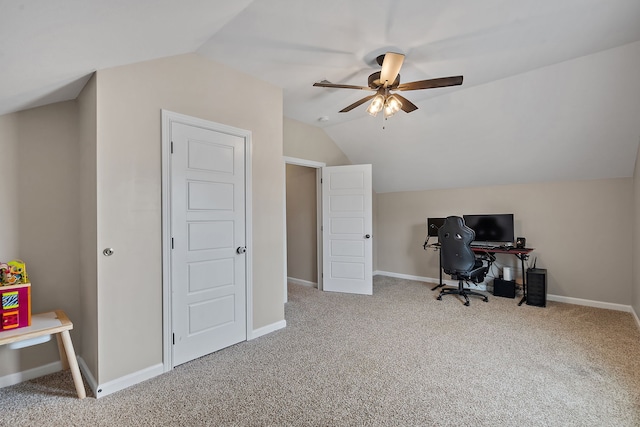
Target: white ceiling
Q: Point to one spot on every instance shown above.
(551, 89)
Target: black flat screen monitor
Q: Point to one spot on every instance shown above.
(433, 224)
(497, 228)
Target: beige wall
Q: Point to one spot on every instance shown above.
(307, 142)
(88, 231)
(302, 241)
(9, 214)
(40, 216)
(581, 231)
(129, 100)
(636, 237)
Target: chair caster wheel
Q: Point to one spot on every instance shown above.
(439, 298)
(486, 300)
(467, 303)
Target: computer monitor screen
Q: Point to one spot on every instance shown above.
(433, 224)
(491, 228)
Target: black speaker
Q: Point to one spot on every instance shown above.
(504, 288)
(537, 287)
(521, 242)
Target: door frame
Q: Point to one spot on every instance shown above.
(169, 117)
(318, 167)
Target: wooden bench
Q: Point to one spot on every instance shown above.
(43, 325)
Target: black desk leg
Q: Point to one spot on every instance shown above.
(441, 284)
(524, 279)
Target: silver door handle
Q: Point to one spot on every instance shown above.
(241, 250)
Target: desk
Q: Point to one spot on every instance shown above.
(521, 253)
(52, 323)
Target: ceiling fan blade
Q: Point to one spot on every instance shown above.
(338, 86)
(356, 104)
(431, 83)
(390, 68)
(407, 106)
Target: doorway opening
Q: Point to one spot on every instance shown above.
(303, 220)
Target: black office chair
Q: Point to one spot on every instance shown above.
(458, 260)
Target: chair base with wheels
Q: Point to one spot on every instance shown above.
(464, 292)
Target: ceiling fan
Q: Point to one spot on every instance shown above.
(387, 80)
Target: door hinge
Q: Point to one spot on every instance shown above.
(320, 180)
(172, 243)
(171, 147)
(174, 338)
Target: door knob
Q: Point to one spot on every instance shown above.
(367, 236)
(241, 250)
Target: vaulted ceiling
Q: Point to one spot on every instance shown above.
(551, 89)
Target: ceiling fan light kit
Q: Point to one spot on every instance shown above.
(376, 105)
(392, 105)
(386, 80)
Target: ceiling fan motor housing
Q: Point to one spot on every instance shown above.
(375, 83)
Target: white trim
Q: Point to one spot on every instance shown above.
(303, 162)
(635, 316)
(169, 117)
(550, 297)
(318, 166)
(590, 303)
(29, 374)
(285, 296)
(418, 278)
(128, 380)
(301, 282)
(268, 329)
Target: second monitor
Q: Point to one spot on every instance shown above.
(495, 228)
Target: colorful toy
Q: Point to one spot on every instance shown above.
(13, 273)
(15, 306)
(4, 268)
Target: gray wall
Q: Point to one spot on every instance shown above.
(302, 238)
(581, 231)
(88, 226)
(636, 237)
(39, 217)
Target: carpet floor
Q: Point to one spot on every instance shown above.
(397, 358)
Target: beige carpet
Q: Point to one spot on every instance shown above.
(397, 358)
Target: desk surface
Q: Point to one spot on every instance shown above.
(490, 249)
(48, 323)
(499, 250)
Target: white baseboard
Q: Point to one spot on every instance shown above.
(635, 315)
(267, 329)
(302, 282)
(128, 380)
(590, 303)
(557, 298)
(448, 282)
(30, 374)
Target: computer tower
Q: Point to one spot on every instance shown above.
(504, 288)
(537, 287)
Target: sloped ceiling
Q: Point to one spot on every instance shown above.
(550, 87)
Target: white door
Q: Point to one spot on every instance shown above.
(208, 276)
(347, 229)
